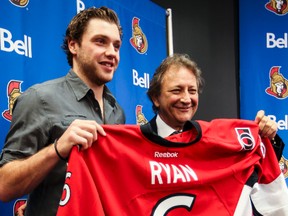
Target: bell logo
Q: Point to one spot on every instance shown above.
(21, 47)
(282, 123)
(143, 82)
(273, 42)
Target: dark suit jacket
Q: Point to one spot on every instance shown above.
(153, 124)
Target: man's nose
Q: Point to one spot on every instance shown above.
(111, 51)
(186, 97)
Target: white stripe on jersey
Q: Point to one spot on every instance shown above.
(277, 200)
(244, 205)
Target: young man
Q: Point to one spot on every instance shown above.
(52, 117)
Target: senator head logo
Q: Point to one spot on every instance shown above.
(13, 92)
(140, 117)
(278, 84)
(138, 39)
(20, 3)
(278, 7)
(283, 163)
(17, 204)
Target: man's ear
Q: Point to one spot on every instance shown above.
(155, 101)
(72, 45)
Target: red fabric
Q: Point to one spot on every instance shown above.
(122, 173)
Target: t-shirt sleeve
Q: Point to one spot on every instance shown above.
(27, 133)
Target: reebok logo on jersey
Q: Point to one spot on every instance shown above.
(165, 154)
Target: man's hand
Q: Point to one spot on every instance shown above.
(82, 133)
(268, 128)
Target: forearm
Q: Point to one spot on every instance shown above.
(20, 177)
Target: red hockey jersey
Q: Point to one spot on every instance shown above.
(213, 168)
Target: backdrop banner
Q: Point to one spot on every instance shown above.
(263, 64)
(31, 35)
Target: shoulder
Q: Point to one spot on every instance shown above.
(228, 123)
(229, 128)
(38, 93)
(47, 86)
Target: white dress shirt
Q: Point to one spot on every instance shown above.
(163, 129)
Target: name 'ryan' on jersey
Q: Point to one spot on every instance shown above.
(212, 168)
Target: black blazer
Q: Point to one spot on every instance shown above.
(153, 124)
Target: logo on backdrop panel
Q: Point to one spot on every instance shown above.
(278, 7)
(20, 3)
(13, 92)
(278, 84)
(21, 47)
(18, 203)
(283, 163)
(140, 117)
(138, 39)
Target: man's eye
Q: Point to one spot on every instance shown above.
(117, 46)
(175, 91)
(100, 41)
(193, 91)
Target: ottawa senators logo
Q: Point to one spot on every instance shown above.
(20, 3)
(283, 163)
(278, 7)
(13, 91)
(278, 84)
(245, 138)
(18, 203)
(140, 118)
(138, 40)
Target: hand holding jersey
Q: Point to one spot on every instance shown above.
(80, 132)
(267, 127)
(208, 168)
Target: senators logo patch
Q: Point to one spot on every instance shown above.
(138, 39)
(245, 138)
(278, 7)
(18, 203)
(283, 163)
(13, 92)
(20, 3)
(278, 84)
(140, 117)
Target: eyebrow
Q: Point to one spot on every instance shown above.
(106, 37)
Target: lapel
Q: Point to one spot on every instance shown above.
(153, 124)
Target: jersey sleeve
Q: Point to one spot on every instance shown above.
(270, 194)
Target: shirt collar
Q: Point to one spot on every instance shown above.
(80, 89)
(163, 129)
